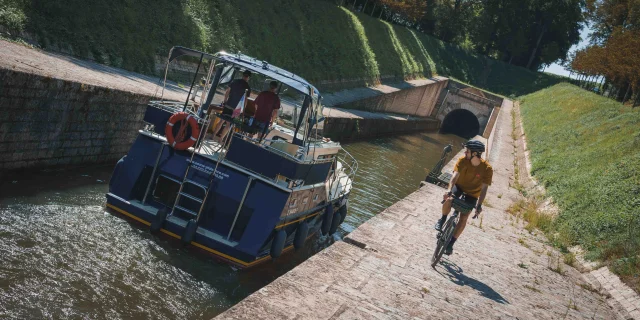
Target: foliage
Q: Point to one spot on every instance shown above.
(529, 210)
(615, 50)
(585, 149)
(12, 14)
(316, 39)
(530, 33)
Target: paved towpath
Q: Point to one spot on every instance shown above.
(21, 58)
(498, 270)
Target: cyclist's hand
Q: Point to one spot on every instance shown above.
(478, 211)
(445, 197)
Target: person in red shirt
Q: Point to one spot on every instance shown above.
(267, 104)
(232, 97)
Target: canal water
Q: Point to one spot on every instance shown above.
(63, 256)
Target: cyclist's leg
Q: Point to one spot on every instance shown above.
(461, 224)
(446, 207)
(463, 217)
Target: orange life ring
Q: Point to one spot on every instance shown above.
(185, 118)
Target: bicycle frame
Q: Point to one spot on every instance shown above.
(444, 237)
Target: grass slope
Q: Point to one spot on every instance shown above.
(585, 149)
(316, 39)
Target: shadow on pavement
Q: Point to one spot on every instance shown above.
(456, 275)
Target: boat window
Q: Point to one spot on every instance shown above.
(305, 200)
(316, 120)
(315, 197)
(292, 100)
(293, 203)
(227, 74)
(291, 105)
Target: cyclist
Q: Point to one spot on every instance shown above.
(471, 178)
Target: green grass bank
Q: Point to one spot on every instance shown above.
(585, 150)
(314, 38)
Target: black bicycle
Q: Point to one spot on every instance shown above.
(444, 236)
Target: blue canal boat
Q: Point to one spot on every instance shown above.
(236, 195)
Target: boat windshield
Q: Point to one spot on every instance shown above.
(296, 108)
(300, 110)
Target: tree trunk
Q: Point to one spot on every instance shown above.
(601, 87)
(624, 98)
(353, 5)
(380, 16)
(533, 53)
(510, 59)
(374, 8)
(365, 6)
(587, 81)
(635, 101)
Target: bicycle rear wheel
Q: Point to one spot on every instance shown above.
(443, 241)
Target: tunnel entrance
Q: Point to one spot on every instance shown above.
(462, 123)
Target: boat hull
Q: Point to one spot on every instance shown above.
(241, 212)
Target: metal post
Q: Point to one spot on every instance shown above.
(153, 173)
(246, 190)
(186, 102)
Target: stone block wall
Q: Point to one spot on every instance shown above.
(346, 129)
(49, 122)
(416, 101)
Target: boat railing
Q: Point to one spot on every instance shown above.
(346, 168)
(267, 144)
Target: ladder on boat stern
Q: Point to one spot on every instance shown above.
(189, 195)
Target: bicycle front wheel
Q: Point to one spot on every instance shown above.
(443, 241)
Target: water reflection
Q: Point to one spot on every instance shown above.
(63, 256)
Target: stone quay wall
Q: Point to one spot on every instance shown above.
(346, 129)
(419, 100)
(48, 122)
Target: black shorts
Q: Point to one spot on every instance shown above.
(261, 126)
(226, 111)
(457, 193)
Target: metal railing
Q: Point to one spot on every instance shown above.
(343, 175)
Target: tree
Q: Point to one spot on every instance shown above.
(529, 33)
(615, 50)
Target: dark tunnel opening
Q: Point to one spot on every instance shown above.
(461, 123)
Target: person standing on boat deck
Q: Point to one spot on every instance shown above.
(267, 105)
(471, 179)
(232, 96)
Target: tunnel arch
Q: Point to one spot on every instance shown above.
(462, 123)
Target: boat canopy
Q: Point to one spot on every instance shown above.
(260, 66)
(310, 109)
(182, 51)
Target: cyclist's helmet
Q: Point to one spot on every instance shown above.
(475, 146)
